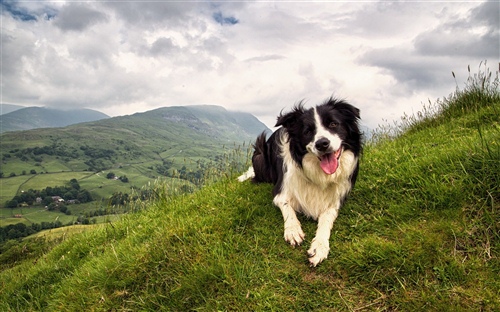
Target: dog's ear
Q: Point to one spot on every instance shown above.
(287, 120)
(348, 108)
(344, 108)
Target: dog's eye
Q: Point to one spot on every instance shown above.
(332, 125)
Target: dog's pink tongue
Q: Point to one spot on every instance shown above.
(329, 163)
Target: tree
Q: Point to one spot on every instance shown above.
(73, 194)
(52, 206)
(84, 196)
(119, 198)
(12, 204)
(74, 184)
(63, 208)
(110, 175)
(14, 233)
(47, 200)
(49, 191)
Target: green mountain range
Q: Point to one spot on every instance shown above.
(166, 142)
(41, 117)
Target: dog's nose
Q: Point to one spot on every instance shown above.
(322, 144)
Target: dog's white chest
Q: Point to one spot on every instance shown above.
(311, 191)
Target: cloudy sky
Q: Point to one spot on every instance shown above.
(122, 57)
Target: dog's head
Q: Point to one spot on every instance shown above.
(324, 131)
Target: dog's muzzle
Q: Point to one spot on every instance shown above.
(329, 158)
(322, 145)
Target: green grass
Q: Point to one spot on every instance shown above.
(10, 186)
(420, 232)
(54, 165)
(35, 214)
(38, 214)
(41, 181)
(57, 233)
(17, 167)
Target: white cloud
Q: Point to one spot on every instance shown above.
(123, 57)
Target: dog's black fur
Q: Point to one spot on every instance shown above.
(313, 161)
(267, 161)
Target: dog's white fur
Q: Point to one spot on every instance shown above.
(247, 175)
(310, 191)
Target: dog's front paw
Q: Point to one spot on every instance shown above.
(294, 234)
(318, 251)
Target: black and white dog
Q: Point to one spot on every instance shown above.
(312, 160)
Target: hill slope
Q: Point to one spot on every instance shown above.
(199, 121)
(41, 117)
(171, 141)
(420, 232)
(203, 125)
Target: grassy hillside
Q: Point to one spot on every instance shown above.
(420, 232)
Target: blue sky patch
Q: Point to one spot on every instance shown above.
(16, 12)
(224, 20)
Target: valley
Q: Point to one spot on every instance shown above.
(116, 159)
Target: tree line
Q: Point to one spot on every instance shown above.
(72, 191)
(19, 230)
(99, 158)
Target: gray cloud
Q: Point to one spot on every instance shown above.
(426, 63)
(440, 42)
(412, 70)
(476, 35)
(14, 48)
(163, 47)
(78, 17)
(383, 19)
(487, 14)
(151, 14)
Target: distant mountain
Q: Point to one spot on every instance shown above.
(211, 120)
(7, 108)
(40, 117)
(149, 142)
